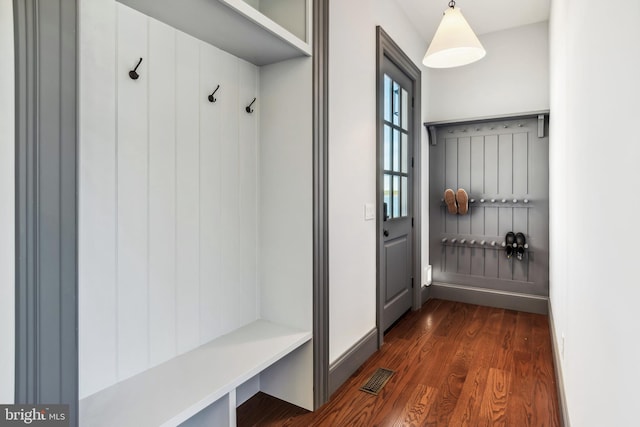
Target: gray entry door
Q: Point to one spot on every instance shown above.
(396, 258)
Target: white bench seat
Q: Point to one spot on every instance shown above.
(174, 391)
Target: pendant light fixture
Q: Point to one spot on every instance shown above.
(455, 43)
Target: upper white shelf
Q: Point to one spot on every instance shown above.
(233, 26)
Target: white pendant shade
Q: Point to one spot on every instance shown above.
(454, 44)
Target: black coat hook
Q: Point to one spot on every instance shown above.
(210, 97)
(133, 74)
(249, 109)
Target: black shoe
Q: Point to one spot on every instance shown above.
(520, 242)
(509, 241)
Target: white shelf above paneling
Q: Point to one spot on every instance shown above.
(178, 389)
(231, 25)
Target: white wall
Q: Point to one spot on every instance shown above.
(168, 194)
(594, 206)
(512, 78)
(352, 159)
(7, 197)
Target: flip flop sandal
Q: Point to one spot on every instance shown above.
(450, 200)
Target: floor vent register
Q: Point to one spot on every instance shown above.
(377, 381)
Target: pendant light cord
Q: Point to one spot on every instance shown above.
(452, 4)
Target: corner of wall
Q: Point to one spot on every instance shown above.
(7, 203)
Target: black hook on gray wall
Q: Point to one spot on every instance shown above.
(249, 109)
(210, 97)
(133, 73)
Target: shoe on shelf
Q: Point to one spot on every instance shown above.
(520, 242)
(450, 200)
(509, 241)
(463, 201)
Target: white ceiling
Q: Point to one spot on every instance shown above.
(484, 16)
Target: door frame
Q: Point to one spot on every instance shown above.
(386, 47)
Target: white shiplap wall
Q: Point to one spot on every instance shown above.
(168, 194)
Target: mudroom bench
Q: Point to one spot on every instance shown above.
(171, 393)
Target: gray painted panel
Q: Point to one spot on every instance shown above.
(507, 163)
(477, 165)
(520, 164)
(491, 165)
(464, 260)
(477, 261)
(396, 252)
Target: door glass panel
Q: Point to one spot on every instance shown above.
(396, 104)
(404, 112)
(404, 196)
(387, 147)
(404, 153)
(387, 98)
(395, 147)
(396, 150)
(396, 197)
(387, 193)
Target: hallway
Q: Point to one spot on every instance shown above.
(455, 364)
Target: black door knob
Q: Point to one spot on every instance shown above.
(386, 233)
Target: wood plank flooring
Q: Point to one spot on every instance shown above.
(455, 365)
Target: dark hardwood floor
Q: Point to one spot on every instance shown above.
(455, 365)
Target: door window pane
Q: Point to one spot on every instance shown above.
(396, 196)
(404, 196)
(404, 112)
(396, 104)
(396, 150)
(387, 147)
(387, 193)
(405, 155)
(387, 98)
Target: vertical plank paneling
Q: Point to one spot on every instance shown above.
(477, 184)
(464, 221)
(491, 165)
(97, 305)
(505, 165)
(464, 180)
(211, 305)
(162, 192)
(520, 164)
(188, 188)
(229, 224)
(248, 167)
(477, 261)
(451, 180)
(133, 354)
(491, 260)
(451, 259)
(499, 162)
(505, 189)
(168, 194)
(491, 189)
